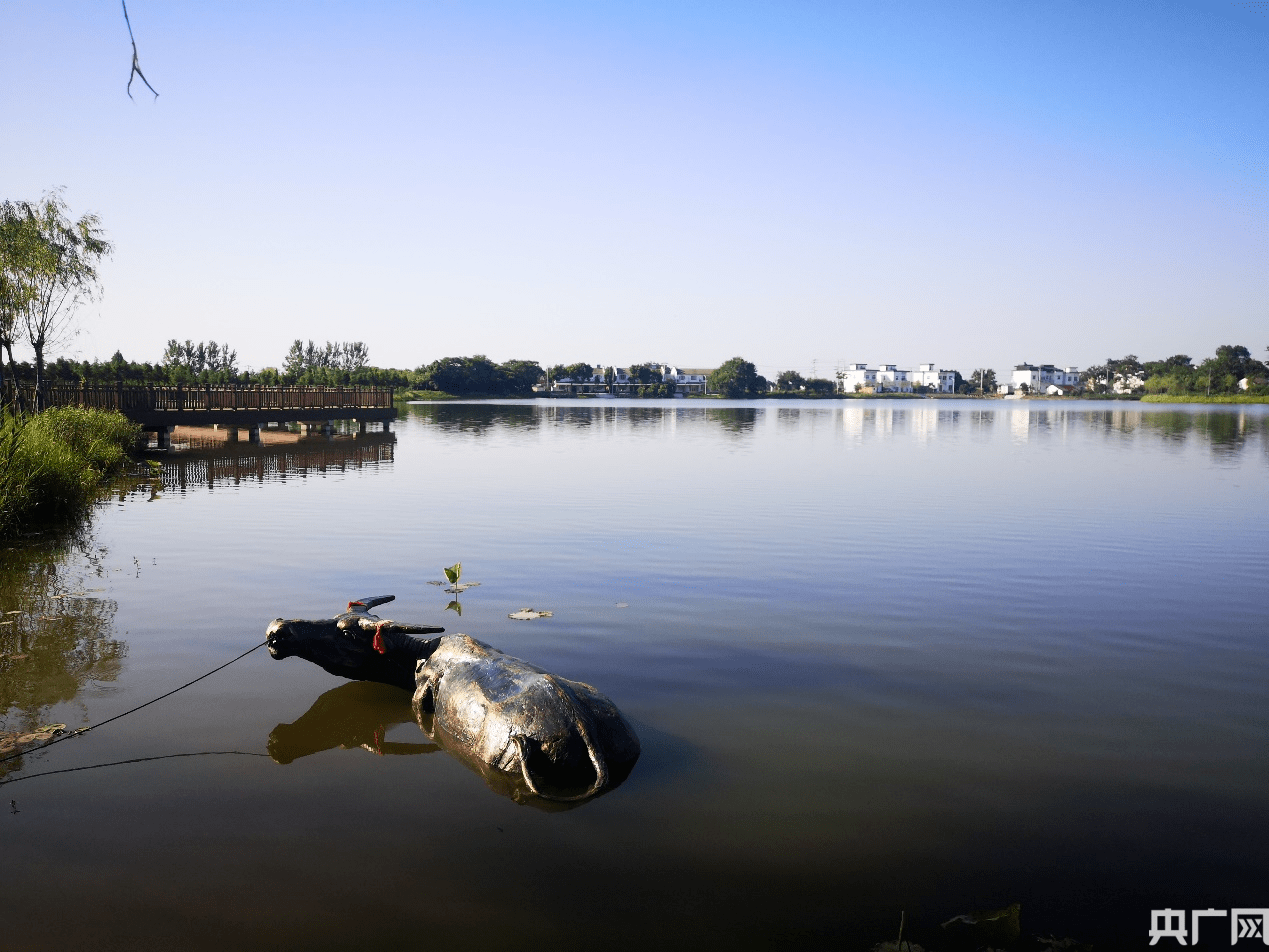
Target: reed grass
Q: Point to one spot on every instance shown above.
(53, 464)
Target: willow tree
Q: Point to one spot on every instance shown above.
(18, 239)
(49, 262)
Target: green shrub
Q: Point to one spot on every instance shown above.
(52, 464)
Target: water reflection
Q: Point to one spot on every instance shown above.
(738, 421)
(1226, 431)
(56, 634)
(358, 714)
(479, 418)
(209, 464)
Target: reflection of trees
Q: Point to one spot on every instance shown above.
(55, 635)
(736, 420)
(476, 418)
(1226, 433)
(482, 418)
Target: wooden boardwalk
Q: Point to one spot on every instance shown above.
(159, 409)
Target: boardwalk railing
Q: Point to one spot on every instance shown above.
(138, 402)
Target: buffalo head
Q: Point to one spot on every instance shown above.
(355, 644)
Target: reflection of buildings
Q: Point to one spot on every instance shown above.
(207, 462)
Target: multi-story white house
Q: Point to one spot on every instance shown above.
(595, 383)
(686, 379)
(855, 377)
(888, 378)
(1039, 378)
(940, 381)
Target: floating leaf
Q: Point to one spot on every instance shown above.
(623, 604)
(458, 589)
(526, 614)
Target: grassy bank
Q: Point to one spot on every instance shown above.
(52, 464)
(1200, 398)
(425, 395)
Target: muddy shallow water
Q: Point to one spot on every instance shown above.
(925, 656)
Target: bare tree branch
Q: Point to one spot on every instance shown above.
(136, 63)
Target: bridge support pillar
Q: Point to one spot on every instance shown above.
(231, 434)
(164, 434)
(361, 427)
(255, 434)
(328, 429)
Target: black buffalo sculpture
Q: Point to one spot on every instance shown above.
(502, 716)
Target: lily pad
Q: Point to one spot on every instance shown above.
(623, 604)
(526, 614)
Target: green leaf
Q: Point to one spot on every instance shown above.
(454, 607)
(454, 573)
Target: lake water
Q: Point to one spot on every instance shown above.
(883, 656)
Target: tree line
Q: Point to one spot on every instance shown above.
(1178, 375)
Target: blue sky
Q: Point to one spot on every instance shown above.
(801, 183)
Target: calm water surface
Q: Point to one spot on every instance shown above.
(928, 656)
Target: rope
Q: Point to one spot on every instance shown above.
(92, 727)
(135, 760)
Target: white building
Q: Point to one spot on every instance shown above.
(888, 378)
(940, 381)
(1129, 383)
(856, 377)
(686, 379)
(1038, 378)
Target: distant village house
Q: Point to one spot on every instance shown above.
(888, 378)
(1042, 378)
